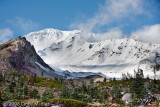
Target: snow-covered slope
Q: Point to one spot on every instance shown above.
(70, 50)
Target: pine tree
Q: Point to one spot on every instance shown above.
(105, 79)
(26, 91)
(158, 88)
(116, 93)
(114, 79)
(152, 87)
(19, 90)
(34, 78)
(91, 81)
(1, 77)
(6, 94)
(56, 78)
(103, 95)
(61, 80)
(89, 98)
(42, 73)
(71, 83)
(11, 87)
(65, 93)
(134, 100)
(34, 94)
(83, 89)
(0, 98)
(94, 90)
(137, 86)
(4, 77)
(21, 83)
(19, 93)
(74, 94)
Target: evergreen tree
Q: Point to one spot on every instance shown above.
(152, 87)
(42, 73)
(114, 79)
(7, 93)
(56, 78)
(19, 93)
(72, 83)
(105, 79)
(0, 98)
(34, 78)
(84, 87)
(14, 75)
(61, 80)
(93, 92)
(137, 86)
(20, 84)
(83, 90)
(26, 91)
(92, 81)
(74, 94)
(11, 87)
(34, 94)
(134, 100)
(65, 93)
(89, 99)
(158, 88)
(1, 77)
(116, 93)
(103, 95)
(4, 77)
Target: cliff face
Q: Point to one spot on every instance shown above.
(20, 55)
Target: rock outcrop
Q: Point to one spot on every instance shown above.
(18, 54)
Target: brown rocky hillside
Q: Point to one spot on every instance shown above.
(18, 54)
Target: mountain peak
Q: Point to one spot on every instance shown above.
(18, 54)
(71, 50)
(134, 37)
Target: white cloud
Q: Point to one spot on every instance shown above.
(24, 24)
(5, 35)
(112, 10)
(114, 33)
(148, 34)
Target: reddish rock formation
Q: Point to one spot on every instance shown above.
(18, 54)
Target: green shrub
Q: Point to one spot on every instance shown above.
(50, 83)
(46, 96)
(68, 102)
(43, 82)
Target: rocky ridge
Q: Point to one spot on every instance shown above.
(18, 54)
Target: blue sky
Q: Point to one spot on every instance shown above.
(20, 17)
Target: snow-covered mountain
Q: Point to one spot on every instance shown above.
(75, 51)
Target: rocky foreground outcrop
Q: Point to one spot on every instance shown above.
(18, 54)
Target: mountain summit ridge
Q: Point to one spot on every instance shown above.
(71, 50)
